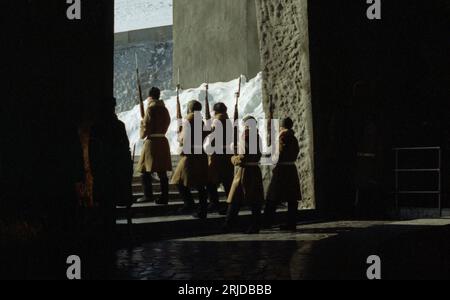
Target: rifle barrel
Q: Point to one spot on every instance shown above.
(269, 129)
(179, 114)
(236, 117)
(207, 108)
(141, 100)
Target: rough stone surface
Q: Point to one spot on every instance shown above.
(219, 38)
(284, 47)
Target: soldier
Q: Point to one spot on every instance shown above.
(111, 165)
(285, 184)
(247, 186)
(221, 170)
(155, 156)
(192, 170)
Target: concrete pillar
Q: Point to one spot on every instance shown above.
(284, 47)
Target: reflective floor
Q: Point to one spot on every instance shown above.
(418, 249)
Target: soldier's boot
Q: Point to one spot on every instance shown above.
(256, 220)
(292, 218)
(269, 214)
(147, 185)
(223, 211)
(202, 212)
(232, 215)
(189, 204)
(164, 198)
(214, 205)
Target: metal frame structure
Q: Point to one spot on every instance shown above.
(398, 171)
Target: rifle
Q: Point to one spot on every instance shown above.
(134, 153)
(141, 100)
(208, 111)
(236, 117)
(271, 112)
(179, 114)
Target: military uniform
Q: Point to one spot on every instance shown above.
(192, 170)
(112, 168)
(156, 157)
(285, 184)
(247, 187)
(221, 169)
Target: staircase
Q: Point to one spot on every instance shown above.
(151, 221)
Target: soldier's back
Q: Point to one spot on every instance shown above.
(159, 117)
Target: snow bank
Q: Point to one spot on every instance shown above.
(250, 104)
(139, 14)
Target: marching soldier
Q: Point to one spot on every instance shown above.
(221, 170)
(155, 156)
(192, 170)
(247, 186)
(285, 184)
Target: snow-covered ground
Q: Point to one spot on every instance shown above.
(250, 104)
(139, 14)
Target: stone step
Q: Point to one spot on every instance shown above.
(137, 178)
(146, 210)
(137, 188)
(185, 226)
(173, 195)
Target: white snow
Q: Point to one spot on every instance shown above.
(250, 103)
(139, 14)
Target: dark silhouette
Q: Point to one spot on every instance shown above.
(112, 169)
(285, 184)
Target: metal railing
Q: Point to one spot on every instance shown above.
(399, 171)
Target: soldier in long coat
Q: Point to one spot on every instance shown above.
(155, 157)
(285, 184)
(111, 165)
(247, 186)
(221, 170)
(192, 170)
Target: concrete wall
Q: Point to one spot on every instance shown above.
(283, 26)
(157, 34)
(215, 37)
(154, 48)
